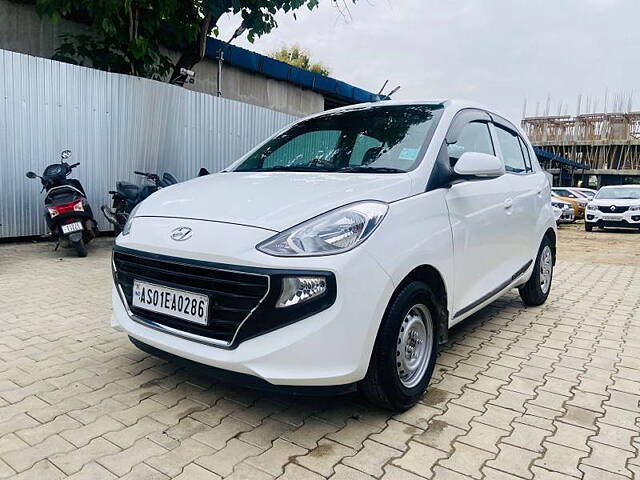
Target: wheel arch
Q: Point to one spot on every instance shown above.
(435, 280)
(552, 236)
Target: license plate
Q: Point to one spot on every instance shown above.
(193, 307)
(72, 227)
(609, 217)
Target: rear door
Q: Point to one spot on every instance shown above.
(527, 189)
(480, 221)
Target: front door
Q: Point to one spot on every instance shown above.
(480, 212)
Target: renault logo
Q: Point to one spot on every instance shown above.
(613, 208)
(181, 234)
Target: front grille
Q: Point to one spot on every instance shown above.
(232, 294)
(614, 209)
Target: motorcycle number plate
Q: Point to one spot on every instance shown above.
(72, 227)
(193, 307)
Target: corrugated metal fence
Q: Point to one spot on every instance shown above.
(114, 124)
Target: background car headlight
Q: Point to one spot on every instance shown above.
(634, 207)
(591, 206)
(333, 232)
(127, 226)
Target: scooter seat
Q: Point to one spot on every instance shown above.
(128, 190)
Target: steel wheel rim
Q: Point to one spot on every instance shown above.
(414, 344)
(546, 268)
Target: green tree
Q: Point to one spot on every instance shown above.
(126, 36)
(300, 58)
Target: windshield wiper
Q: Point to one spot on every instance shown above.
(291, 168)
(361, 168)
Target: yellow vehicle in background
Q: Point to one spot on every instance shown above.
(577, 202)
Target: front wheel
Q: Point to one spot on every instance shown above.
(404, 354)
(537, 288)
(588, 227)
(81, 248)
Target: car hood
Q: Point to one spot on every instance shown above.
(618, 202)
(271, 200)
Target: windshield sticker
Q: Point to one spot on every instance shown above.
(408, 154)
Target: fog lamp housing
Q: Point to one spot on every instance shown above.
(297, 290)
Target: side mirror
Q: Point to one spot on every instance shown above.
(31, 175)
(475, 164)
(65, 154)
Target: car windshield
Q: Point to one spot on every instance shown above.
(382, 139)
(583, 194)
(619, 193)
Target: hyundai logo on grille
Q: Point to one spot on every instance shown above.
(181, 233)
(613, 208)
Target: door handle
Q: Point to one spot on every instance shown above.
(508, 203)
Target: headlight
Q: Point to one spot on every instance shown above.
(334, 232)
(634, 207)
(127, 226)
(591, 206)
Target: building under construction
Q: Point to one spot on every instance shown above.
(594, 149)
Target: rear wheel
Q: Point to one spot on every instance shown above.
(120, 209)
(81, 248)
(537, 288)
(404, 354)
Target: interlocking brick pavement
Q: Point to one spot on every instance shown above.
(549, 393)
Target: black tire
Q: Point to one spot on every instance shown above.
(588, 227)
(532, 293)
(120, 208)
(81, 248)
(382, 385)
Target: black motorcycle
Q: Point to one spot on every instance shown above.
(68, 213)
(127, 195)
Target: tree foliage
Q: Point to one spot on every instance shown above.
(300, 58)
(126, 36)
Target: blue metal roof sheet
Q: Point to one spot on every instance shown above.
(557, 158)
(255, 62)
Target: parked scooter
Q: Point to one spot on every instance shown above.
(68, 214)
(127, 195)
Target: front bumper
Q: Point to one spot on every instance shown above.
(331, 347)
(628, 219)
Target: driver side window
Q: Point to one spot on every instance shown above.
(474, 137)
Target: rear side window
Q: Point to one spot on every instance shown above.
(527, 155)
(474, 137)
(511, 151)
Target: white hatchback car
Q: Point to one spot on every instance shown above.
(614, 206)
(339, 252)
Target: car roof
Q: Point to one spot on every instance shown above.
(449, 103)
(611, 187)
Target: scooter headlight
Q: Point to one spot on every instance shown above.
(127, 226)
(337, 231)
